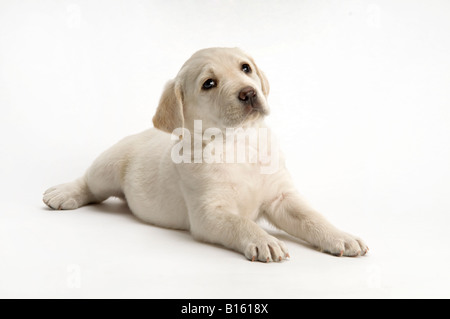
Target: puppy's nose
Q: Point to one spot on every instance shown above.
(247, 94)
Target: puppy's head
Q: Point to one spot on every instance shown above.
(223, 87)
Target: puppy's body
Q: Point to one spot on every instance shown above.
(216, 202)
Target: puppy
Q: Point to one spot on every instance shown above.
(194, 179)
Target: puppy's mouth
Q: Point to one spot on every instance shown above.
(240, 115)
(256, 108)
(253, 112)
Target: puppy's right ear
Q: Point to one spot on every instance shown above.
(169, 114)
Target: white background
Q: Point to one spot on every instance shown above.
(360, 98)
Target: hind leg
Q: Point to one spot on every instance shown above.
(102, 180)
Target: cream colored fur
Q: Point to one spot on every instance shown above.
(219, 202)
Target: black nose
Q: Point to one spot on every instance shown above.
(247, 94)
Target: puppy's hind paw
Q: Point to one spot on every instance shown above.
(66, 196)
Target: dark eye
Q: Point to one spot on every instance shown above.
(209, 84)
(246, 68)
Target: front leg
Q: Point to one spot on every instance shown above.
(292, 214)
(219, 225)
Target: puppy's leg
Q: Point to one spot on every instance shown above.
(223, 227)
(102, 180)
(290, 213)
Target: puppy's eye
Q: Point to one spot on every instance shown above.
(209, 84)
(246, 68)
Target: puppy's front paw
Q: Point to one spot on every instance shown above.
(66, 196)
(265, 249)
(343, 244)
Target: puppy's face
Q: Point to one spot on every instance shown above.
(223, 87)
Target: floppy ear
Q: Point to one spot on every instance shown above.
(169, 114)
(264, 82)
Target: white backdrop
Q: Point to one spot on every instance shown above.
(360, 100)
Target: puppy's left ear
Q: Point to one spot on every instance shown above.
(264, 82)
(169, 114)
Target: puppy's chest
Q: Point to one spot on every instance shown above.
(246, 188)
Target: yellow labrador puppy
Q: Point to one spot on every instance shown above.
(209, 166)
